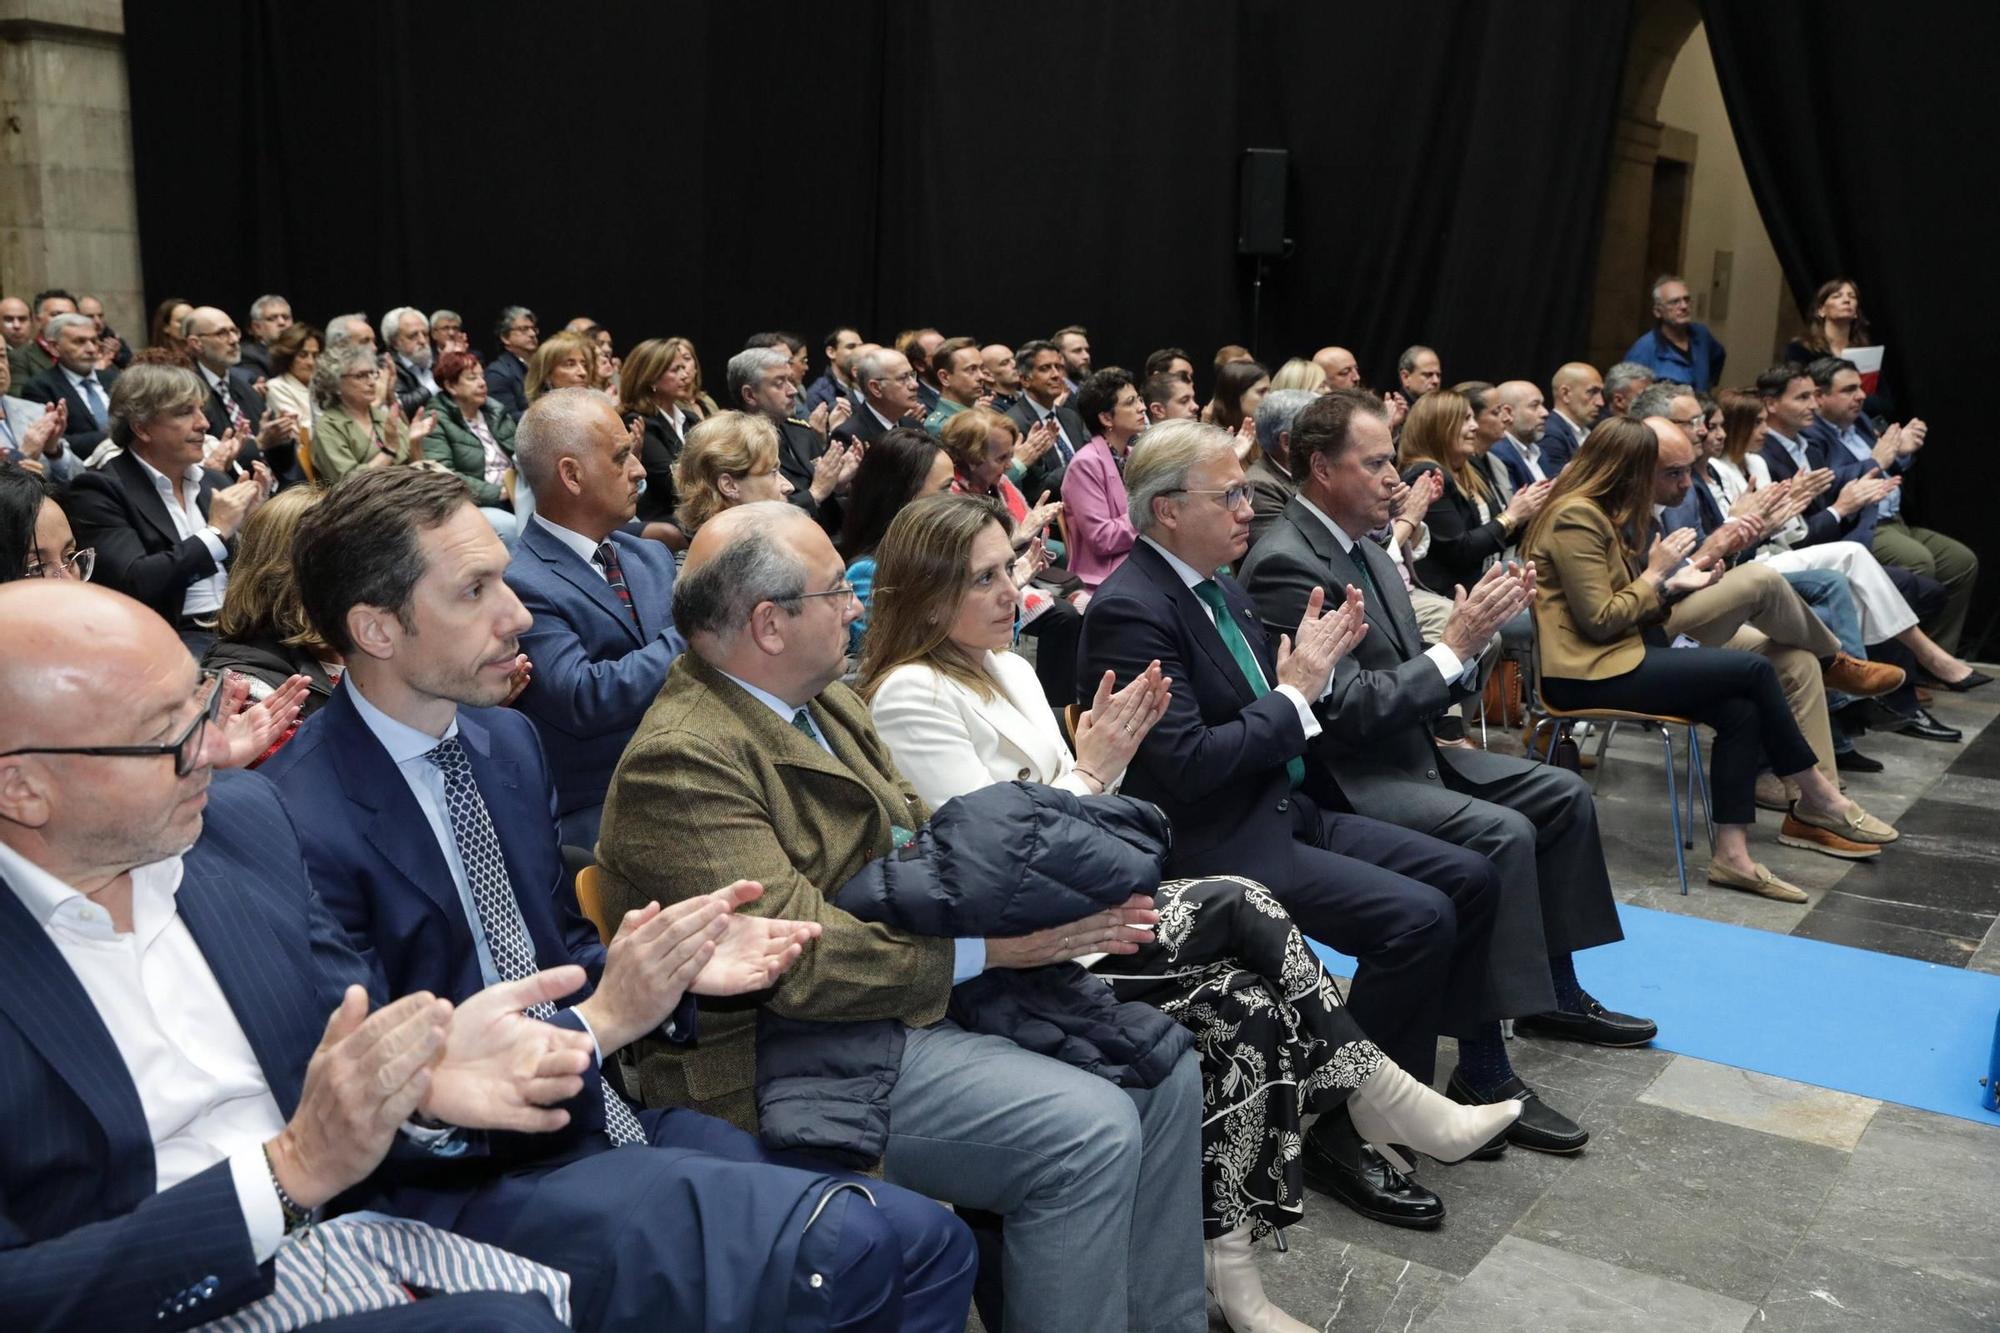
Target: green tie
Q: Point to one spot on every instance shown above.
(803, 721)
(1369, 589)
(1210, 593)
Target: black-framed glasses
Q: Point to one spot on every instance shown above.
(1236, 495)
(76, 565)
(185, 750)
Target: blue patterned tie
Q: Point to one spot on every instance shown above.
(499, 914)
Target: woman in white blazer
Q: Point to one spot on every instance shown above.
(959, 710)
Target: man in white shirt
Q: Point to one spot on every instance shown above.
(1524, 433)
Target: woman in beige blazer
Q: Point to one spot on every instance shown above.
(1602, 590)
(959, 710)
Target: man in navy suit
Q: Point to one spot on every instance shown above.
(154, 921)
(1789, 405)
(603, 635)
(507, 373)
(1520, 450)
(1577, 391)
(434, 843)
(76, 380)
(1227, 762)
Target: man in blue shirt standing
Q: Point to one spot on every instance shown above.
(1677, 348)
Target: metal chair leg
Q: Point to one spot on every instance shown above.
(1278, 1239)
(1674, 805)
(1701, 780)
(1603, 739)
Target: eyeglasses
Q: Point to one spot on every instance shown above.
(76, 565)
(186, 751)
(1690, 423)
(1232, 498)
(361, 374)
(842, 590)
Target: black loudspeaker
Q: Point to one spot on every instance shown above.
(1260, 208)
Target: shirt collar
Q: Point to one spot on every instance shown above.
(1796, 448)
(1529, 449)
(214, 380)
(1189, 574)
(160, 481)
(765, 697)
(585, 548)
(1580, 429)
(39, 891)
(44, 895)
(402, 741)
(886, 425)
(76, 379)
(1339, 533)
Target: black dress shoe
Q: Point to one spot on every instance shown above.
(1541, 1127)
(1853, 761)
(1595, 1024)
(1971, 682)
(1335, 1161)
(1925, 727)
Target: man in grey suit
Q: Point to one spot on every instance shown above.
(1536, 822)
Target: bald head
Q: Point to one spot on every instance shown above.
(74, 651)
(762, 597)
(1342, 371)
(1578, 391)
(1530, 409)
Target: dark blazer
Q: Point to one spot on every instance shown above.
(85, 1241)
(1509, 457)
(284, 462)
(51, 386)
(596, 673)
(1047, 473)
(1822, 523)
(1823, 445)
(410, 391)
(506, 382)
(861, 425)
(1215, 762)
(256, 357)
(116, 509)
(799, 447)
(659, 449)
(1559, 443)
(1461, 543)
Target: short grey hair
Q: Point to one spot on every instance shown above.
(335, 363)
(394, 318)
(262, 304)
(1657, 399)
(1408, 360)
(552, 429)
(748, 368)
(54, 328)
(1161, 460)
(336, 328)
(1624, 375)
(1662, 281)
(873, 366)
(508, 314)
(1275, 415)
(147, 391)
(437, 315)
(756, 565)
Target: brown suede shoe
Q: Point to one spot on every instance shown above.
(1795, 832)
(1764, 884)
(1858, 827)
(1863, 680)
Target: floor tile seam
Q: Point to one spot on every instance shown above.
(1988, 918)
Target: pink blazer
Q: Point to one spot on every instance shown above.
(1094, 507)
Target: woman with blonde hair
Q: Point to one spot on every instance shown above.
(263, 633)
(1468, 526)
(730, 459)
(563, 361)
(1299, 373)
(959, 711)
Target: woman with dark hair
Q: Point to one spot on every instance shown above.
(651, 385)
(1100, 527)
(1835, 324)
(902, 466)
(288, 388)
(1468, 526)
(1239, 387)
(164, 330)
(1603, 584)
(959, 711)
(35, 537)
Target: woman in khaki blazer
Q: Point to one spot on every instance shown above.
(1602, 590)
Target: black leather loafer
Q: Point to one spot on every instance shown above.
(1541, 1127)
(1971, 682)
(1925, 727)
(1853, 761)
(1335, 1161)
(1596, 1024)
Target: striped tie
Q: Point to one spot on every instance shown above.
(607, 555)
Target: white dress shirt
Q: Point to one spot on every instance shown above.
(1582, 431)
(203, 1093)
(1531, 454)
(1447, 662)
(204, 596)
(585, 548)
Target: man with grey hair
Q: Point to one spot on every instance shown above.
(408, 336)
(1623, 384)
(74, 379)
(211, 336)
(269, 317)
(888, 389)
(602, 598)
(756, 756)
(1420, 372)
(1227, 762)
(1269, 474)
(448, 332)
(760, 381)
(342, 330)
(1677, 347)
(507, 374)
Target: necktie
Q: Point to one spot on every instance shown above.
(607, 555)
(499, 914)
(803, 721)
(1064, 449)
(1369, 590)
(1210, 593)
(93, 398)
(237, 421)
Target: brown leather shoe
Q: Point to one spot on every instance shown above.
(1857, 827)
(1795, 832)
(1863, 680)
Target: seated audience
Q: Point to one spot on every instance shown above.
(474, 439)
(1623, 384)
(1093, 489)
(959, 711)
(1536, 822)
(262, 633)
(902, 466)
(353, 430)
(755, 741)
(1604, 588)
(74, 380)
(432, 845)
(407, 335)
(1576, 401)
(294, 355)
(1270, 473)
(817, 471)
(1227, 764)
(31, 434)
(1469, 526)
(1678, 347)
(518, 334)
(888, 389)
(161, 523)
(269, 317)
(730, 459)
(652, 394)
(1043, 398)
(603, 636)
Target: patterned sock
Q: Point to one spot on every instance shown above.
(1569, 991)
(1482, 1060)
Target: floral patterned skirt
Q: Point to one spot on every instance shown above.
(1275, 1041)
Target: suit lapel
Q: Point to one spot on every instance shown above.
(564, 562)
(1009, 717)
(43, 998)
(1340, 564)
(1195, 622)
(398, 828)
(144, 496)
(1402, 617)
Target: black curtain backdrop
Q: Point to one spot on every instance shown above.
(712, 169)
(1867, 133)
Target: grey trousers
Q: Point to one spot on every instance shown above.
(1099, 1186)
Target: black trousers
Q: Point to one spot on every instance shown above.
(1056, 633)
(1414, 911)
(1736, 693)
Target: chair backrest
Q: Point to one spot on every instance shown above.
(305, 456)
(1072, 714)
(590, 899)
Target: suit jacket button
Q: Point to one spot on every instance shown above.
(1431, 773)
(1024, 775)
(1284, 804)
